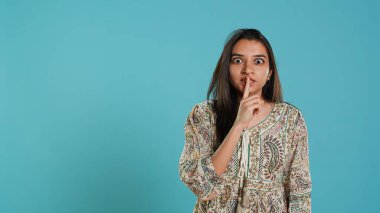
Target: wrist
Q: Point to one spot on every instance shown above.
(238, 126)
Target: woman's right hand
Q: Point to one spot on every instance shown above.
(247, 108)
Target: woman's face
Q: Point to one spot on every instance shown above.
(249, 57)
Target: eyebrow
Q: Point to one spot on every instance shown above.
(237, 54)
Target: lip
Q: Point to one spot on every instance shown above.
(244, 80)
(250, 83)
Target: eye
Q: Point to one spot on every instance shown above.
(236, 60)
(260, 60)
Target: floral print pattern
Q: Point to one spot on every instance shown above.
(278, 178)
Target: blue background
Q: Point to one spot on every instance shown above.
(94, 97)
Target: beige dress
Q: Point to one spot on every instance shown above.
(278, 175)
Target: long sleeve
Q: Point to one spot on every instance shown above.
(298, 182)
(195, 166)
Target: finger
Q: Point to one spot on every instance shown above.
(256, 109)
(252, 101)
(246, 89)
(253, 109)
(254, 106)
(252, 98)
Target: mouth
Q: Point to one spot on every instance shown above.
(251, 82)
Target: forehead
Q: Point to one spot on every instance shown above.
(249, 47)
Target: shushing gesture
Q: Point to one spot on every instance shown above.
(249, 105)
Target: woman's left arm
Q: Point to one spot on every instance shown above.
(298, 182)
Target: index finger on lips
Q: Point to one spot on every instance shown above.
(246, 89)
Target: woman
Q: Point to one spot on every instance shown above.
(246, 150)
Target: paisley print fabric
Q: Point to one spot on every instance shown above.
(278, 178)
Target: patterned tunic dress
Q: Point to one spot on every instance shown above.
(278, 175)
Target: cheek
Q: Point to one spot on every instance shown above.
(234, 75)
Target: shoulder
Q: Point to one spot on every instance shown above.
(202, 110)
(201, 113)
(206, 103)
(292, 108)
(205, 107)
(295, 114)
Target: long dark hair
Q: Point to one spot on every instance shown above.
(226, 104)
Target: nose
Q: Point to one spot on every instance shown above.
(248, 69)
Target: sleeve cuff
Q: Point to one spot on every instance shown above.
(300, 203)
(216, 183)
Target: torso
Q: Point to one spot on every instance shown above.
(270, 148)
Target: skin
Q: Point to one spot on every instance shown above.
(249, 60)
(245, 66)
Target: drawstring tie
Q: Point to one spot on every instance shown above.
(243, 162)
